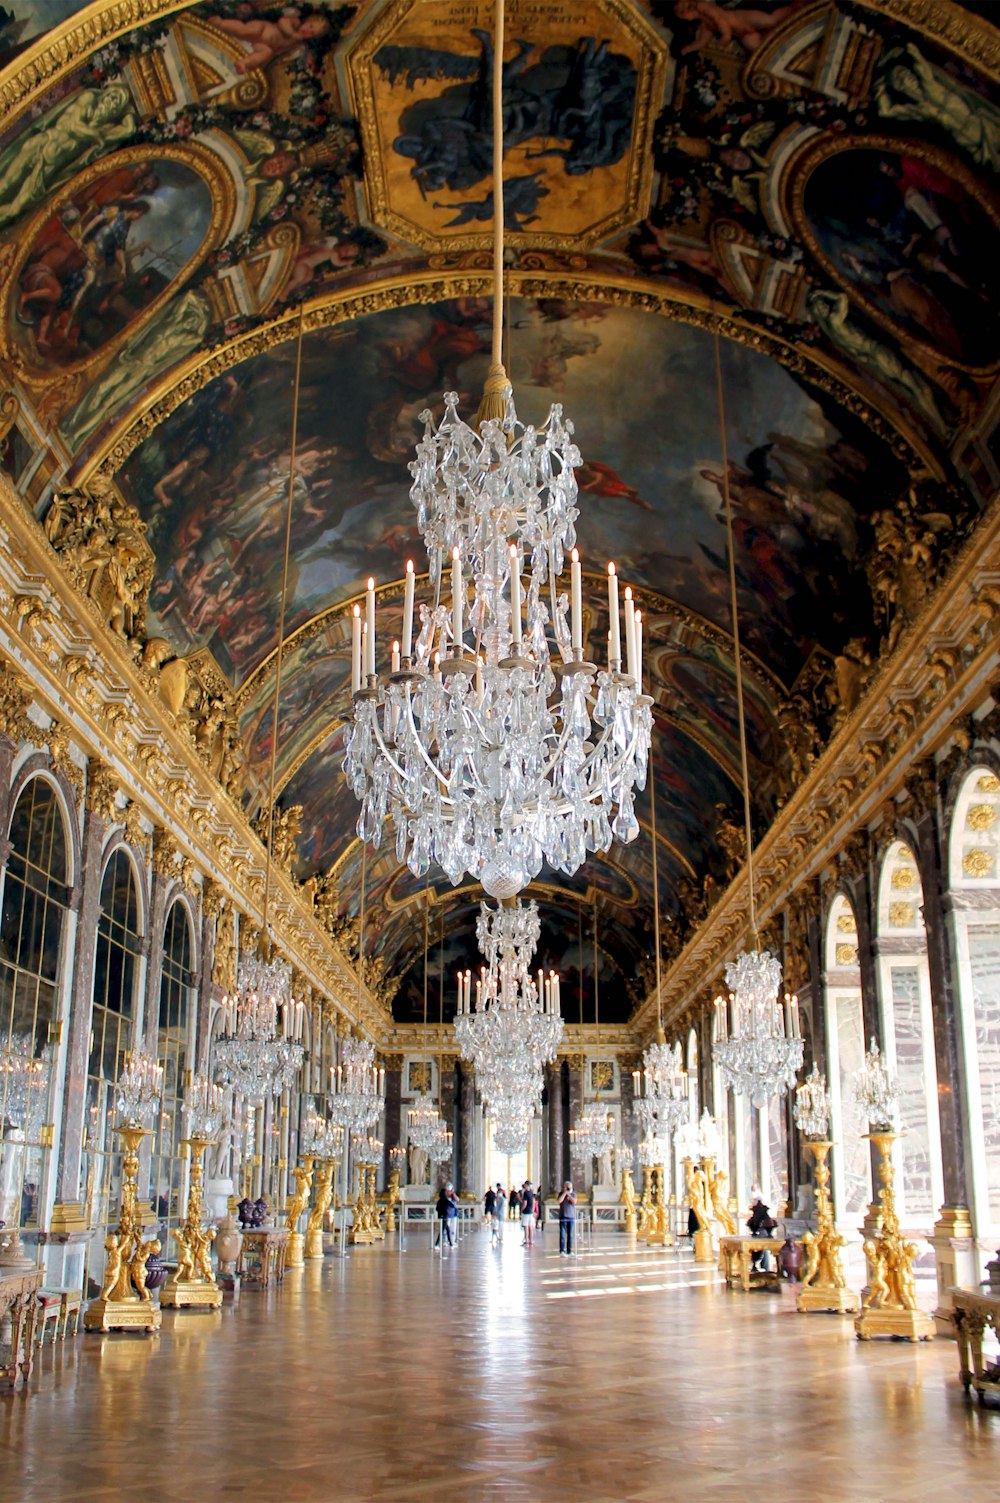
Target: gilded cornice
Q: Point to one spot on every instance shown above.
(944, 665)
(81, 672)
(970, 37)
(432, 1040)
(404, 290)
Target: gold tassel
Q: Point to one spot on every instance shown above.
(493, 406)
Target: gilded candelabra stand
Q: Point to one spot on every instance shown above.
(646, 1203)
(697, 1188)
(889, 1301)
(715, 1181)
(317, 1216)
(659, 1234)
(628, 1200)
(823, 1284)
(367, 1226)
(392, 1198)
(295, 1254)
(124, 1303)
(193, 1284)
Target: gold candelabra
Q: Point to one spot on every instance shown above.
(716, 1179)
(392, 1200)
(628, 1200)
(193, 1282)
(659, 1234)
(317, 1216)
(124, 1303)
(889, 1301)
(367, 1225)
(823, 1284)
(646, 1203)
(295, 1255)
(697, 1188)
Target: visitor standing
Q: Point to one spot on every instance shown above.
(514, 1206)
(567, 1218)
(447, 1209)
(499, 1212)
(527, 1213)
(489, 1200)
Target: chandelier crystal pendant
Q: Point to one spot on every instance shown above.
(206, 1106)
(812, 1105)
(593, 1136)
(321, 1139)
(138, 1090)
(493, 744)
(258, 1050)
(661, 1088)
(516, 1026)
(423, 1122)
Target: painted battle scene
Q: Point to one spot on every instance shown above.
(212, 481)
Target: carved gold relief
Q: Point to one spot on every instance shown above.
(980, 816)
(978, 863)
(847, 954)
(847, 924)
(102, 791)
(903, 878)
(988, 783)
(902, 915)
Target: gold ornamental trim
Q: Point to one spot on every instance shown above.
(968, 36)
(406, 290)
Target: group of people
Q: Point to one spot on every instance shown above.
(525, 1204)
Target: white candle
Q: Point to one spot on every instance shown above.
(356, 650)
(515, 598)
(457, 601)
(479, 680)
(370, 629)
(788, 1016)
(615, 633)
(630, 631)
(638, 651)
(395, 657)
(576, 603)
(795, 1017)
(408, 611)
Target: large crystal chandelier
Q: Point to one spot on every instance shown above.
(258, 1050)
(661, 1088)
(138, 1089)
(493, 744)
(439, 1151)
(757, 1045)
(423, 1122)
(516, 1027)
(593, 1136)
(24, 1084)
(358, 1087)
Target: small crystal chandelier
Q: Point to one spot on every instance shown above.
(138, 1090)
(439, 1151)
(397, 1157)
(875, 1090)
(367, 1149)
(321, 1139)
(757, 1047)
(653, 1151)
(516, 1027)
(812, 1106)
(24, 1084)
(490, 746)
(624, 1158)
(709, 1138)
(358, 1087)
(206, 1107)
(423, 1122)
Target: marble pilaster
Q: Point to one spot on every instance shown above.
(579, 1167)
(393, 1107)
(465, 1154)
(556, 1165)
(448, 1106)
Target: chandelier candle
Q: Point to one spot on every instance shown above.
(356, 650)
(576, 606)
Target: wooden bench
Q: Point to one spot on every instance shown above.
(972, 1313)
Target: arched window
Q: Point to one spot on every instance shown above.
(116, 974)
(31, 929)
(908, 1034)
(974, 890)
(845, 1052)
(173, 1051)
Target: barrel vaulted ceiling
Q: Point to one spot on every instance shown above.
(813, 181)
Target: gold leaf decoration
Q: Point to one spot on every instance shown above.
(981, 816)
(978, 863)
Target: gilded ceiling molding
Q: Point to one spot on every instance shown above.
(84, 676)
(67, 45)
(426, 287)
(971, 38)
(908, 711)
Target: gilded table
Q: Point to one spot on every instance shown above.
(19, 1307)
(262, 1255)
(973, 1312)
(736, 1262)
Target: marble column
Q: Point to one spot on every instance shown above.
(449, 1095)
(557, 1128)
(161, 878)
(86, 899)
(465, 1156)
(393, 1107)
(630, 1129)
(210, 909)
(578, 1165)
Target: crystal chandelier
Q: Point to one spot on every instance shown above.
(24, 1084)
(758, 1044)
(423, 1122)
(875, 1090)
(321, 1139)
(367, 1149)
(358, 1095)
(138, 1090)
(661, 1088)
(516, 1027)
(439, 1151)
(593, 1136)
(206, 1107)
(709, 1138)
(624, 1158)
(258, 1051)
(653, 1152)
(493, 744)
(812, 1105)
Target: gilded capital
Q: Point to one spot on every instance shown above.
(102, 790)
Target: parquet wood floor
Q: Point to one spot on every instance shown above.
(511, 1376)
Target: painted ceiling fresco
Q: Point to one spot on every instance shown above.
(817, 179)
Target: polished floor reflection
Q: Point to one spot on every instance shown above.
(511, 1375)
